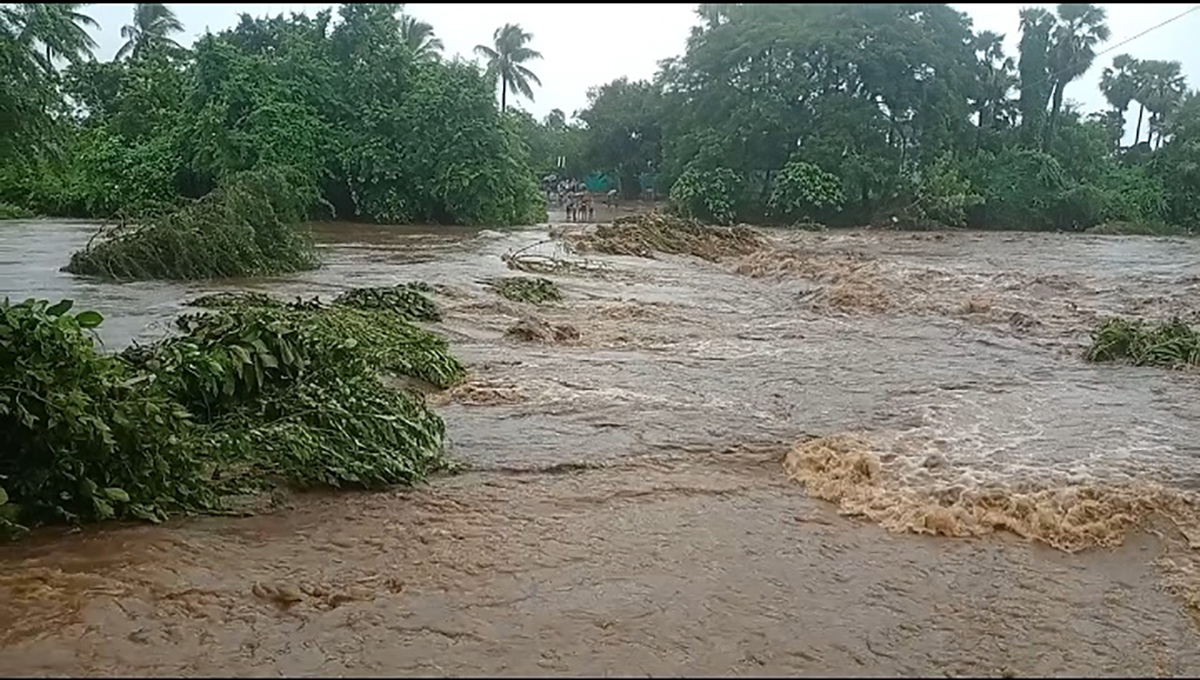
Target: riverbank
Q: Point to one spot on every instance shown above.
(629, 510)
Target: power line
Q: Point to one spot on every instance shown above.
(1152, 28)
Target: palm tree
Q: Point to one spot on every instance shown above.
(1080, 28)
(152, 23)
(556, 119)
(1034, 69)
(51, 30)
(996, 81)
(1119, 85)
(505, 59)
(418, 35)
(1162, 86)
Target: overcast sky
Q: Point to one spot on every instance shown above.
(590, 44)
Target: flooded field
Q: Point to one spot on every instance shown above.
(666, 493)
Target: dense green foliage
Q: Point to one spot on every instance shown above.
(1172, 344)
(916, 118)
(253, 390)
(362, 114)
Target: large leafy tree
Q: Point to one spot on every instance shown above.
(505, 61)
(152, 26)
(624, 134)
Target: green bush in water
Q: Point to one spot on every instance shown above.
(249, 394)
(1172, 344)
(536, 290)
(246, 227)
(409, 300)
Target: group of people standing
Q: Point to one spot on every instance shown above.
(573, 196)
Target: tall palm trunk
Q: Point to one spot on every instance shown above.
(503, 94)
(1137, 134)
(1055, 110)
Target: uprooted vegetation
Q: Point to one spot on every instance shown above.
(253, 392)
(247, 227)
(645, 234)
(1173, 344)
(535, 290)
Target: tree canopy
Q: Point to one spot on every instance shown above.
(357, 108)
(918, 118)
(846, 114)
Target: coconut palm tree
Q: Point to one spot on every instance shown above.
(55, 30)
(153, 23)
(505, 61)
(418, 35)
(1080, 28)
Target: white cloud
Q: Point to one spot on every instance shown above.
(584, 45)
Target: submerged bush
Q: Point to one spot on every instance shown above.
(246, 227)
(409, 300)
(1172, 344)
(251, 393)
(536, 290)
(9, 211)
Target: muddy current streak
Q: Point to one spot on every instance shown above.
(646, 499)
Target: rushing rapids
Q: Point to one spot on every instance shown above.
(643, 492)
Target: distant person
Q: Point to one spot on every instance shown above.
(570, 210)
(591, 210)
(610, 199)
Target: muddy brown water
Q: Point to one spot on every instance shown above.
(628, 512)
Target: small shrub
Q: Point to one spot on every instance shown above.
(804, 191)
(9, 211)
(707, 194)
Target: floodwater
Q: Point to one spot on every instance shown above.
(644, 500)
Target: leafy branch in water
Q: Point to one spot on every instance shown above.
(245, 228)
(1172, 344)
(252, 392)
(536, 290)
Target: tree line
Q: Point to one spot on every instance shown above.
(841, 114)
(895, 114)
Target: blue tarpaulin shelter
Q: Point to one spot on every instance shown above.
(600, 182)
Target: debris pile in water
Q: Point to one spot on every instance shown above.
(535, 290)
(532, 329)
(645, 234)
(1172, 344)
(253, 390)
